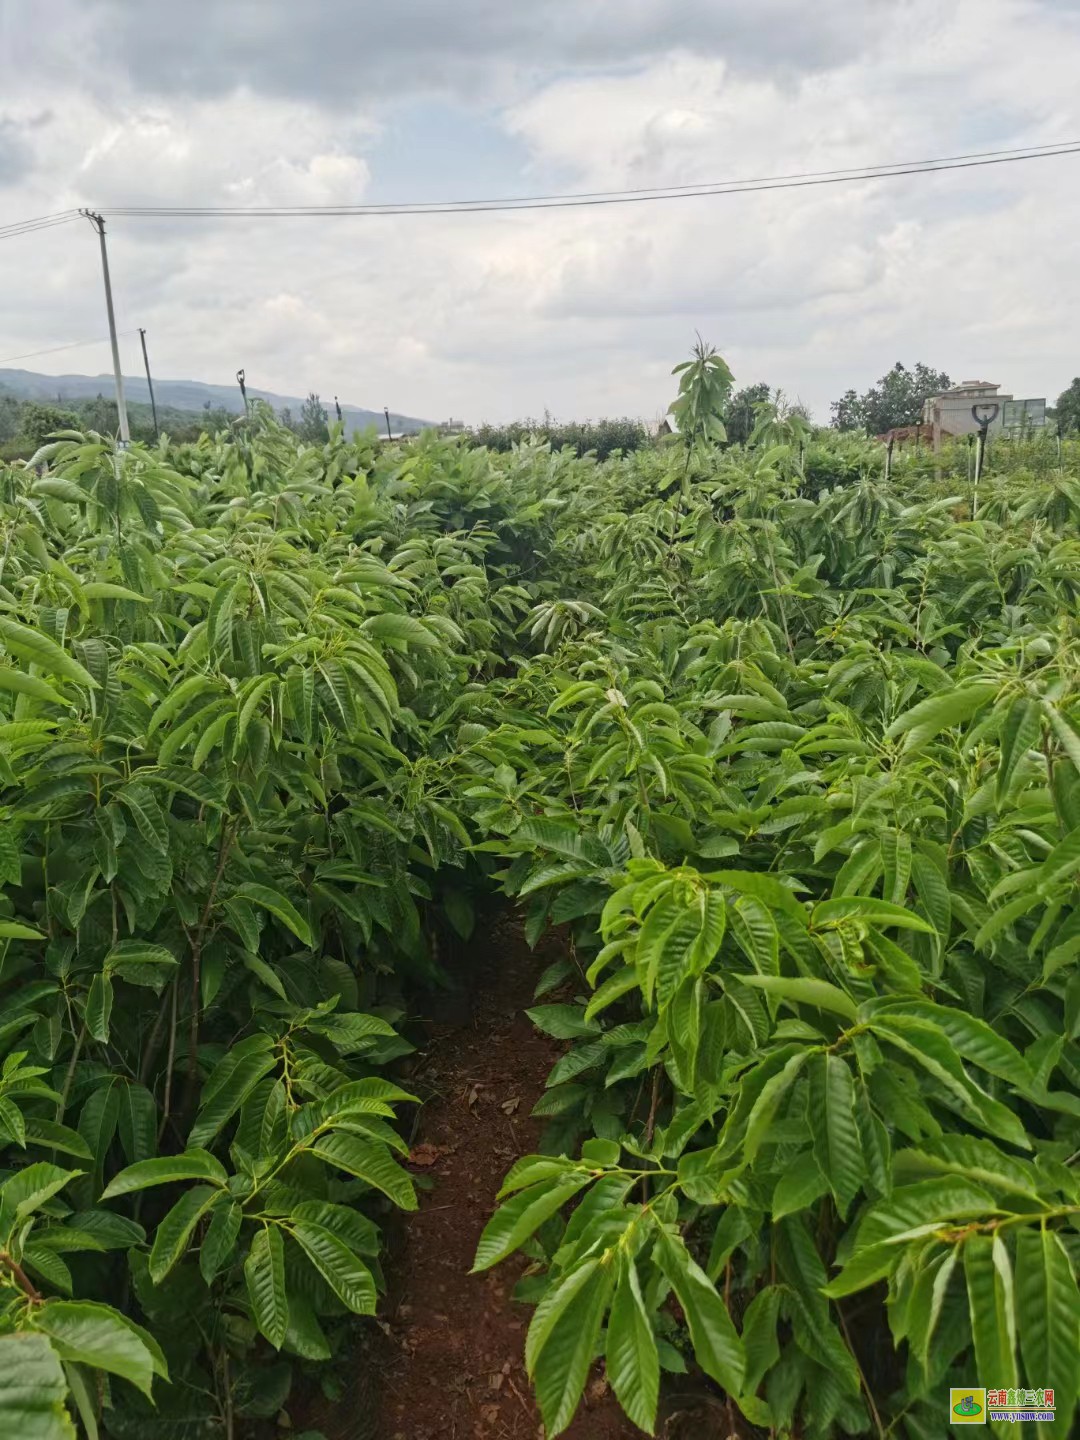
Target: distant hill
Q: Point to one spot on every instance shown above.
(191, 395)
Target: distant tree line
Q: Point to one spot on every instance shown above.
(602, 437)
(25, 425)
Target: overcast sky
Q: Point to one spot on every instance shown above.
(582, 312)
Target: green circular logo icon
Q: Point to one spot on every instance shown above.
(968, 1406)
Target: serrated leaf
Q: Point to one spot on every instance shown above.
(32, 1390)
(348, 1277)
(1048, 1313)
(88, 1333)
(193, 1164)
(370, 1162)
(560, 1365)
(523, 1214)
(175, 1230)
(264, 1275)
(38, 649)
(632, 1357)
(278, 905)
(219, 1240)
(717, 1346)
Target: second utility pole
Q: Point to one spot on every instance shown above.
(150, 382)
(99, 225)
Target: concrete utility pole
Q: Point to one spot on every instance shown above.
(150, 382)
(389, 432)
(121, 405)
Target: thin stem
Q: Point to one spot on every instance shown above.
(167, 1101)
(70, 1076)
(878, 1426)
(20, 1276)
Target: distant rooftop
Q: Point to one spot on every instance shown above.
(974, 385)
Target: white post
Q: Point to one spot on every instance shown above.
(121, 405)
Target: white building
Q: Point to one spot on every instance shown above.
(952, 412)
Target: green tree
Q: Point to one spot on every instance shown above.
(739, 416)
(705, 383)
(896, 399)
(10, 417)
(313, 425)
(1068, 408)
(41, 421)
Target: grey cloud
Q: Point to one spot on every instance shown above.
(16, 156)
(336, 52)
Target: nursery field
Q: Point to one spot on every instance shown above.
(753, 779)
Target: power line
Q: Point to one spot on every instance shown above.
(41, 222)
(886, 170)
(55, 349)
(799, 180)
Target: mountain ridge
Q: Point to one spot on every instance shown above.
(193, 395)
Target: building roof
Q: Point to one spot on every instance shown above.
(974, 385)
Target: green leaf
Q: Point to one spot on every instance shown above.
(568, 1320)
(229, 1086)
(517, 1219)
(32, 1390)
(348, 1277)
(866, 1267)
(400, 628)
(768, 1101)
(139, 962)
(817, 993)
(971, 1037)
(799, 1185)
(1020, 731)
(175, 1230)
(754, 928)
(104, 590)
(633, 1361)
(13, 930)
(832, 1123)
(1048, 1313)
(279, 906)
(91, 1334)
(137, 1122)
(219, 1240)
(11, 1117)
(716, 1343)
(867, 908)
(990, 1306)
(142, 804)
(264, 1274)
(37, 649)
(766, 888)
(191, 1165)
(99, 1003)
(22, 1193)
(18, 683)
(370, 1162)
(940, 712)
(51, 1136)
(759, 1335)
(562, 1022)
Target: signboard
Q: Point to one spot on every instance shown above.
(1022, 415)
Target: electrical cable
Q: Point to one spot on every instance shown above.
(573, 199)
(40, 222)
(797, 180)
(72, 345)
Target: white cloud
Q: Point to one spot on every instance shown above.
(581, 311)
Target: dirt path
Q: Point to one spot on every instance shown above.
(453, 1366)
